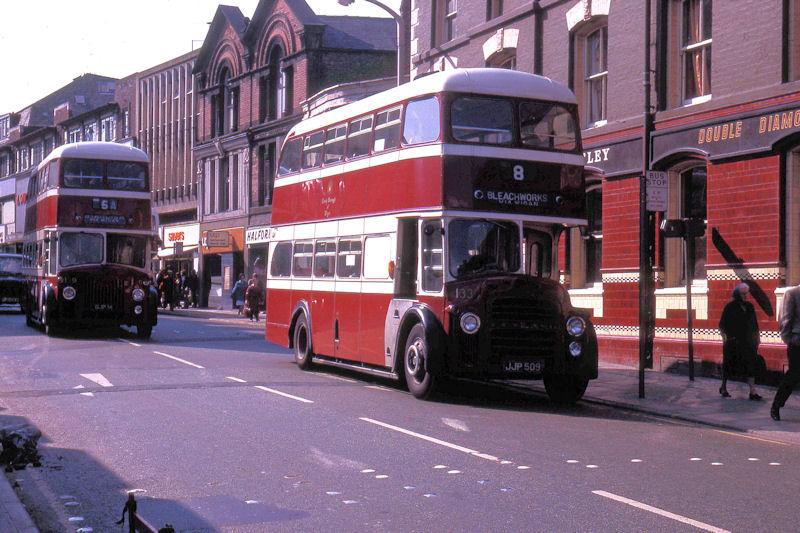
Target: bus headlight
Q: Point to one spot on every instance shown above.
(470, 323)
(576, 326)
(138, 294)
(575, 349)
(68, 293)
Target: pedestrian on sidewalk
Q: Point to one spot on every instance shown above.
(790, 335)
(237, 294)
(253, 297)
(740, 340)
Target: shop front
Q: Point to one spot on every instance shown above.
(223, 261)
(257, 242)
(179, 249)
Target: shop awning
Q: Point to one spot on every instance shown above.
(170, 252)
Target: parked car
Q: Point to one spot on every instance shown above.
(12, 282)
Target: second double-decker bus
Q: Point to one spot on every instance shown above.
(88, 239)
(415, 234)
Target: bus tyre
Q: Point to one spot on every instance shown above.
(566, 389)
(29, 319)
(419, 380)
(302, 343)
(143, 331)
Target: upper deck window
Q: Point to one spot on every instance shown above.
(359, 137)
(83, 174)
(126, 176)
(387, 130)
(482, 120)
(312, 150)
(96, 174)
(334, 143)
(547, 125)
(422, 121)
(291, 156)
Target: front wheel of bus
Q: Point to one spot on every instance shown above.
(565, 390)
(415, 364)
(302, 344)
(144, 331)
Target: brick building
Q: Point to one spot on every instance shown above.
(81, 110)
(726, 130)
(252, 77)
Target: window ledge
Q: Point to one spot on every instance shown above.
(593, 290)
(697, 100)
(598, 124)
(700, 288)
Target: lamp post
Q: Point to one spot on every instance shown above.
(398, 21)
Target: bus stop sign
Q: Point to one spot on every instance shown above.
(656, 188)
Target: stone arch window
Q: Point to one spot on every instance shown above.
(587, 22)
(500, 50)
(225, 104)
(276, 86)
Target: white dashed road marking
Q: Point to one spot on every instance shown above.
(178, 359)
(100, 379)
(660, 512)
(237, 380)
(337, 378)
(279, 393)
(131, 343)
(430, 439)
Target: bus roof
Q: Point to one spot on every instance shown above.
(97, 150)
(489, 81)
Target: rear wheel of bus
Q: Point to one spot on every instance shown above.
(302, 343)
(419, 380)
(565, 389)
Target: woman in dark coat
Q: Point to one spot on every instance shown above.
(740, 338)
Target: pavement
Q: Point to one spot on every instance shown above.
(667, 395)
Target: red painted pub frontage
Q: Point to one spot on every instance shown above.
(738, 169)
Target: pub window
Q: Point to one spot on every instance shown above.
(494, 8)
(444, 21)
(696, 50)
(687, 199)
(334, 143)
(302, 258)
(282, 260)
(595, 80)
(594, 235)
(359, 137)
(791, 40)
(312, 149)
(791, 218)
(348, 258)
(387, 130)
(324, 259)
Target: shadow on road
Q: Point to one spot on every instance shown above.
(73, 484)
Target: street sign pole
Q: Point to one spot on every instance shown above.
(645, 222)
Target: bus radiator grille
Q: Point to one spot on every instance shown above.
(523, 328)
(100, 298)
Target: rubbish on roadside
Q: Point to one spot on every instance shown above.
(18, 446)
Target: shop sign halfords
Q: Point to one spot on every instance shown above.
(257, 235)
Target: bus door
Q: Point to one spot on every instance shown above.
(538, 246)
(376, 295)
(405, 283)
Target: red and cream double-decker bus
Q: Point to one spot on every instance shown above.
(88, 239)
(415, 234)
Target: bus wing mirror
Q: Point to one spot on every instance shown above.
(391, 269)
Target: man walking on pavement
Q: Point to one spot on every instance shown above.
(790, 334)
